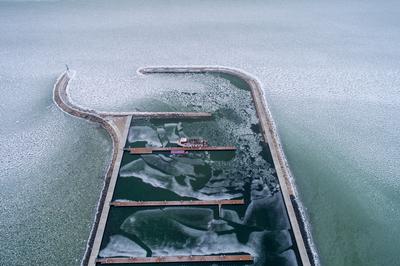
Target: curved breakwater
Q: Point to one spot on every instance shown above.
(117, 125)
(60, 97)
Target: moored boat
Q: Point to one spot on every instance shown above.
(192, 142)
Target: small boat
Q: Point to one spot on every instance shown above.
(186, 142)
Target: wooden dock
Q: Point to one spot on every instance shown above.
(149, 150)
(177, 259)
(176, 203)
(161, 115)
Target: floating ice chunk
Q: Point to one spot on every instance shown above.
(171, 132)
(162, 171)
(287, 258)
(120, 246)
(172, 167)
(162, 136)
(230, 215)
(144, 133)
(193, 217)
(140, 169)
(171, 232)
(132, 167)
(267, 212)
(259, 189)
(157, 230)
(179, 127)
(271, 247)
(187, 191)
(212, 243)
(222, 186)
(278, 241)
(189, 160)
(219, 226)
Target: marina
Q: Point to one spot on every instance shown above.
(193, 167)
(327, 70)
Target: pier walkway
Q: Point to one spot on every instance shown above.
(172, 259)
(127, 203)
(149, 150)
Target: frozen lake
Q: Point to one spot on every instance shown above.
(330, 71)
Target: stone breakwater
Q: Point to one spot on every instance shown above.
(117, 125)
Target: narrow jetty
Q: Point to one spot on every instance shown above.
(149, 150)
(128, 203)
(177, 259)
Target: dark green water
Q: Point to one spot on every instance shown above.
(260, 227)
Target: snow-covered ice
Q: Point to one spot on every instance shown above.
(330, 70)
